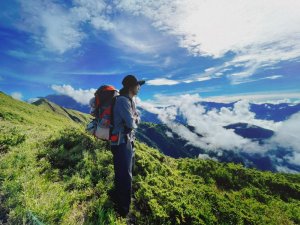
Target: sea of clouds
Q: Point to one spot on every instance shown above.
(214, 137)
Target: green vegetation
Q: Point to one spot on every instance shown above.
(53, 172)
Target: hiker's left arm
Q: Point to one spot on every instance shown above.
(126, 113)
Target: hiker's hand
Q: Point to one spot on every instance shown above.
(137, 118)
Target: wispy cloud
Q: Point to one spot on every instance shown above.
(161, 81)
(139, 37)
(165, 81)
(58, 28)
(241, 81)
(256, 40)
(147, 60)
(95, 73)
(20, 54)
(203, 78)
(208, 74)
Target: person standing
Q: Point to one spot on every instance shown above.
(125, 120)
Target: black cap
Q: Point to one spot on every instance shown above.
(131, 80)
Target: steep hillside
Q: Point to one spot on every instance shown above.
(52, 171)
(69, 113)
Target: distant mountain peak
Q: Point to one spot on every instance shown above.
(69, 113)
(41, 101)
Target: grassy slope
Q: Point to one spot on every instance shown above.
(49, 166)
(30, 183)
(69, 113)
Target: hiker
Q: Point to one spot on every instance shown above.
(125, 120)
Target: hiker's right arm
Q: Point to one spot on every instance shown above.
(126, 113)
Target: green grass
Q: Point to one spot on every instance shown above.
(39, 150)
(52, 171)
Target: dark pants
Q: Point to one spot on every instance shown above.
(123, 157)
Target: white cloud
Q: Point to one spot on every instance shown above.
(287, 136)
(257, 97)
(203, 78)
(80, 95)
(274, 77)
(167, 61)
(188, 81)
(206, 156)
(208, 74)
(30, 55)
(17, 95)
(284, 169)
(58, 28)
(162, 100)
(209, 69)
(191, 78)
(246, 80)
(95, 73)
(169, 134)
(137, 36)
(147, 106)
(161, 81)
(208, 124)
(51, 24)
(214, 137)
(259, 38)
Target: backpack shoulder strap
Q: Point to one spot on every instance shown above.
(112, 109)
(112, 114)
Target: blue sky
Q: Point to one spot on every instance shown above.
(220, 51)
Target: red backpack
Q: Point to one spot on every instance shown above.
(101, 108)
